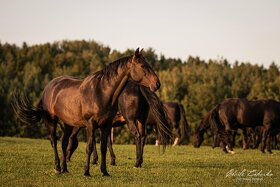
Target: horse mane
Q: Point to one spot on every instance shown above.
(111, 70)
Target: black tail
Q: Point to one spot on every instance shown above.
(159, 113)
(25, 111)
(184, 126)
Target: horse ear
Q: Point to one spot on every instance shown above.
(142, 51)
(136, 53)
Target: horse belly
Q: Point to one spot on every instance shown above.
(252, 118)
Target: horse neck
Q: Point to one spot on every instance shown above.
(115, 84)
(118, 88)
(203, 127)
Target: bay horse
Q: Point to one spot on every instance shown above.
(203, 127)
(175, 118)
(135, 103)
(240, 113)
(89, 102)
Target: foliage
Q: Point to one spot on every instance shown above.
(30, 162)
(197, 84)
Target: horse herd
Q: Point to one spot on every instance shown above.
(123, 93)
(258, 120)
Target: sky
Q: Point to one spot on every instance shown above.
(237, 30)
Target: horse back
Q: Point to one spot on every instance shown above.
(242, 112)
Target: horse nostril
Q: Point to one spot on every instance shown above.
(158, 84)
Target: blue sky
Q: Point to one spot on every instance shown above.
(247, 31)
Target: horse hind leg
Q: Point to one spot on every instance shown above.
(90, 144)
(132, 125)
(65, 139)
(53, 138)
(110, 146)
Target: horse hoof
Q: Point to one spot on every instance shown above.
(113, 163)
(56, 171)
(65, 171)
(86, 174)
(106, 174)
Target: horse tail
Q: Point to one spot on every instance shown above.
(184, 126)
(25, 111)
(157, 110)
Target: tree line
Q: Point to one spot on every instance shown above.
(198, 84)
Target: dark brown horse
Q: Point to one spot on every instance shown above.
(89, 102)
(204, 126)
(232, 114)
(175, 113)
(135, 102)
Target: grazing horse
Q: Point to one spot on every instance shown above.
(89, 102)
(241, 113)
(177, 117)
(135, 102)
(202, 128)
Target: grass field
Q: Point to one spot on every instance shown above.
(29, 162)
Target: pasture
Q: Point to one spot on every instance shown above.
(30, 162)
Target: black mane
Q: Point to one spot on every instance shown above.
(112, 69)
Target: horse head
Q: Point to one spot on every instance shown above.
(198, 137)
(142, 73)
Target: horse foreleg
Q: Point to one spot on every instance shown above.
(53, 137)
(233, 135)
(72, 143)
(216, 140)
(138, 150)
(223, 138)
(132, 125)
(268, 142)
(229, 141)
(110, 146)
(142, 132)
(104, 139)
(89, 149)
(177, 140)
(264, 137)
(143, 139)
(95, 155)
(245, 139)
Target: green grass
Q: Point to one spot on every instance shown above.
(30, 162)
